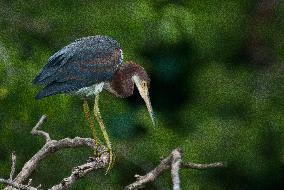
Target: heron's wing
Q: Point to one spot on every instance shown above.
(58, 87)
(91, 59)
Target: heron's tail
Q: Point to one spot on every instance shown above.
(57, 88)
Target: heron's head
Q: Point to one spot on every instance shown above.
(128, 75)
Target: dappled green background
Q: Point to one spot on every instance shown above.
(217, 88)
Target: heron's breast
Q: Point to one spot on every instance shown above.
(90, 90)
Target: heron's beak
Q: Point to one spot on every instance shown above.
(149, 106)
(144, 93)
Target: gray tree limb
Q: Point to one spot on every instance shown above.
(203, 166)
(52, 146)
(13, 166)
(10, 181)
(16, 185)
(81, 171)
(173, 162)
(151, 176)
(175, 167)
(36, 131)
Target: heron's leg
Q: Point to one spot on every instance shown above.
(101, 124)
(90, 120)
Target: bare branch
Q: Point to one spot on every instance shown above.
(151, 176)
(12, 184)
(30, 182)
(203, 166)
(83, 170)
(13, 166)
(36, 131)
(16, 185)
(50, 147)
(174, 161)
(175, 166)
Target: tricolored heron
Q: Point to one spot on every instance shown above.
(86, 67)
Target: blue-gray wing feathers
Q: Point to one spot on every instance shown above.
(80, 64)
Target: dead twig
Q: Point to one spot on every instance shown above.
(16, 185)
(203, 166)
(175, 167)
(81, 171)
(50, 147)
(173, 162)
(36, 131)
(13, 166)
(10, 181)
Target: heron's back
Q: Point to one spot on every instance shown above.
(83, 63)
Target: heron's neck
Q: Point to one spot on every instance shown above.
(122, 83)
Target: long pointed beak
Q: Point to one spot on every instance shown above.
(149, 107)
(144, 93)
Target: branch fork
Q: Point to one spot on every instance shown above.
(173, 162)
(50, 147)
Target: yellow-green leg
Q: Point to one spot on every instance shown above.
(90, 121)
(101, 124)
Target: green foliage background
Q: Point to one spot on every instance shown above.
(211, 97)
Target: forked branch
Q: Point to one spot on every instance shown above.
(173, 162)
(50, 147)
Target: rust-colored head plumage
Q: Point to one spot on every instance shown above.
(128, 75)
(123, 83)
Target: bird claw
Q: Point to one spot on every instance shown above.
(99, 152)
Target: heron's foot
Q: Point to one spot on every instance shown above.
(98, 153)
